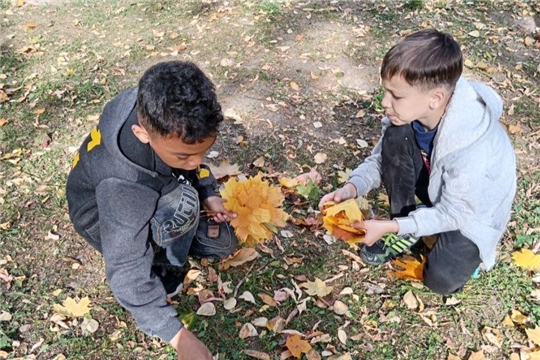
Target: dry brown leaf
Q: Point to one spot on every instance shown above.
(297, 346)
(207, 309)
(453, 357)
(294, 86)
(248, 330)
(247, 296)
(534, 335)
(320, 158)
(313, 355)
(317, 287)
(260, 322)
(312, 175)
(518, 317)
(3, 121)
(190, 277)
(492, 335)
(267, 299)
(259, 162)
(224, 169)
(340, 307)
(342, 336)
(257, 354)
(527, 259)
(72, 308)
(238, 258)
(277, 324)
(410, 300)
(479, 355)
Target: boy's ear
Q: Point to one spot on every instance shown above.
(141, 133)
(438, 97)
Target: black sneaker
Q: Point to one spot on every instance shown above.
(386, 248)
(172, 278)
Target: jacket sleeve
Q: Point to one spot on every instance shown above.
(455, 208)
(367, 175)
(204, 182)
(125, 210)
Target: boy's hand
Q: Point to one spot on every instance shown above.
(214, 204)
(376, 229)
(188, 347)
(348, 191)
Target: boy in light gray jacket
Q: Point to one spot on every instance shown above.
(443, 144)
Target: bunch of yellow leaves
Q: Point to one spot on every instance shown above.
(338, 219)
(258, 207)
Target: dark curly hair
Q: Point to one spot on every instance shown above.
(175, 98)
(426, 58)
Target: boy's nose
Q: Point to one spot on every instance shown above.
(195, 162)
(385, 101)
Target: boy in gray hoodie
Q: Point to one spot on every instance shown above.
(136, 189)
(443, 144)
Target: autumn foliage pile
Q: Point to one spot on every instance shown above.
(258, 207)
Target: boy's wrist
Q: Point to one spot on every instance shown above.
(175, 342)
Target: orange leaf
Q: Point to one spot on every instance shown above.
(412, 269)
(297, 346)
(339, 217)
(527, 259)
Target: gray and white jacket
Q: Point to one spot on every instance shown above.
(473, 176)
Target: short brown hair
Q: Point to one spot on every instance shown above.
(426, 58)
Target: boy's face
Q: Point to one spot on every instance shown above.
(173, 151)
(404, 103)
(177, 154)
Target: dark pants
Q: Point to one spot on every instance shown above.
(454, 258)
(178, 230)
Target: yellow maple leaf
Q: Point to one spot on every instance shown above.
(72, 308)
(411, 269)
(527, 259)
(534, 335)
(258, 207)
(339, 217)
(297, 346)
(288, 182)
(317, 287)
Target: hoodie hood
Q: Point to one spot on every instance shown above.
(473, 109)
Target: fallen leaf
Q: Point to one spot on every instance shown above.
(346, 291)
(313, 355)
(224, 169)
(518, 317)
(468, 63)
(259, 162)
(277, 324)
(257, 354)
(534, 335)
(288, 182)
(267, 299)
(342, 336)
(286, 233)
(410, 300)
(207, 309)
(89, 326)
(453, 357)
(527, 259)
(313, 175)
(230, 114)
(297, 346)
(247, 296)
(479, 355)
(412, 269)
(261, 322)
(5, 316)
(248, 330)
(474, 33)
(338, 219)
(3, 122)
(240, 257)
(343, 176)
(515, 129)
(340, 307)
(229, 304)
(492, 335)
(72, 308)
(320, 158)
(190, 277)
(294, 86)
(317, 287)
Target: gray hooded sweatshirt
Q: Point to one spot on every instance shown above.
(473, 176)
(111, 202)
